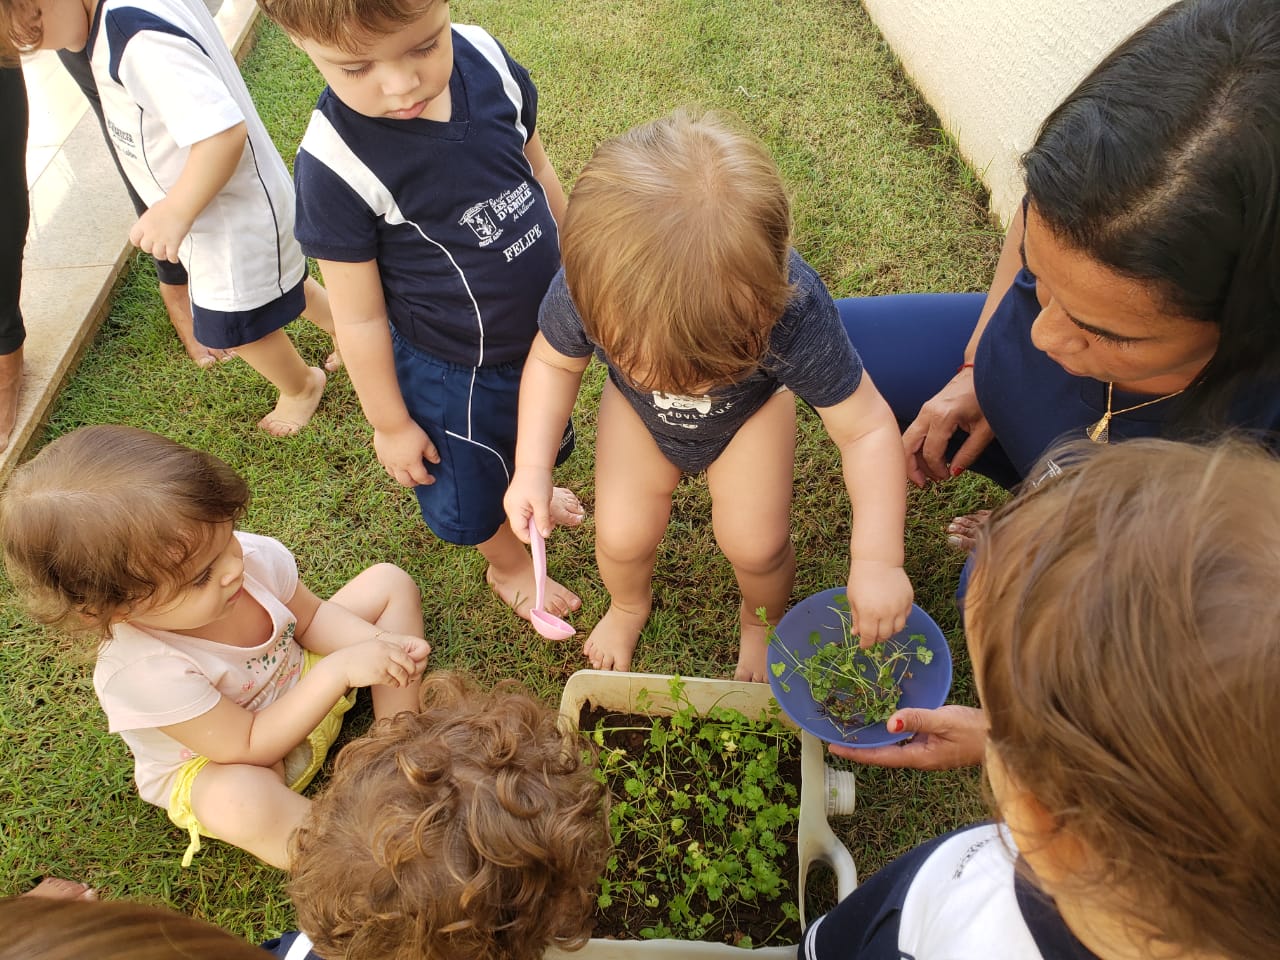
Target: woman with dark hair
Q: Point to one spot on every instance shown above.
(1137, 293)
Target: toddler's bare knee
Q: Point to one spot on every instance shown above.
(756, 556)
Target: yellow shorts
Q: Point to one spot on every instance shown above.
(301, 765)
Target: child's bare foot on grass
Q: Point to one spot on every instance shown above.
(333, 362)
(613, 640)
(177, 303)
(566, 508)
(55, 888)
(517, 591)
(294, 412)
(962, 532)
(10, 390)
(753, 654)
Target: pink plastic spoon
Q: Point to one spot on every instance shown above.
(547, 624)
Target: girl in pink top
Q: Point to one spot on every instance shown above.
(223, 673)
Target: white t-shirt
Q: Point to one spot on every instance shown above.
(167, 81)
(153, 678)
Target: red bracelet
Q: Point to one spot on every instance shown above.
(963, 366)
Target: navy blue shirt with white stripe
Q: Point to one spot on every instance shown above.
(464, 239)
(958, 897)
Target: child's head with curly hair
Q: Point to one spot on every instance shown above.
(475, 829)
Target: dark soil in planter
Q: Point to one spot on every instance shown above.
(660, 845)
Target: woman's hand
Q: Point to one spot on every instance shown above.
(954, 407)
(946, 738)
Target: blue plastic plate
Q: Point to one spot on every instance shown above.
(815, 622)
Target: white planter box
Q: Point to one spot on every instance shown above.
(818, 785)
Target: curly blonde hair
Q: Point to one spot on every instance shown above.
(107, 517)
(1124, 616)
(675, 249)
(475, 829)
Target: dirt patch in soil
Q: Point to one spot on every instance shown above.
(761, 919)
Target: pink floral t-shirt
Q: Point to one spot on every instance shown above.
(153, 678)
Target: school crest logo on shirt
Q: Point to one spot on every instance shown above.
(483, 218)
(481, 224)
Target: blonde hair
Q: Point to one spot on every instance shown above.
(37, 928)
(346, 25)
(1125, 617)
(475, 829)
(675, 250)
(107, 517)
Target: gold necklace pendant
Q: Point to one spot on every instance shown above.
(1100, 432)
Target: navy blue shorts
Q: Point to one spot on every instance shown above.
(222, 330)
(469, 413)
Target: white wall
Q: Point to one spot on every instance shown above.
(993, 69)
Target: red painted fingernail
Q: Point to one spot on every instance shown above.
(896, 726)
(956, 471)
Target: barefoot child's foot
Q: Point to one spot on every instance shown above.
(613, 640)
(292, 413)
(753, 653)
(333, 362)
(177, 303)
(516, 590)
(55, 888)
(963, 531)
(566, 508)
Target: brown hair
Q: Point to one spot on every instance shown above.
(675, 249)
(37, 928)
(21, 29)
(1125, 616)
(107, 517)
(475, 829)
(346, 25)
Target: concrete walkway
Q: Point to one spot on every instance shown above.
(78, 240)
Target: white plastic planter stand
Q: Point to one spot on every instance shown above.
(822, 791)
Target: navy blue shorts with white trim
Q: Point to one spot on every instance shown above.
(470, 414)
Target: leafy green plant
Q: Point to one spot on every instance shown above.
(854, 687)
(703, 819)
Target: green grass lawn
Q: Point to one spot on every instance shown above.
(881, 206)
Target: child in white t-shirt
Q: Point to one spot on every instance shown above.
(219, 198)
(223, 673)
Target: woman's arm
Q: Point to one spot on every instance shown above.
(955, 406)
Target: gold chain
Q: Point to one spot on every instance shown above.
(1100, 432)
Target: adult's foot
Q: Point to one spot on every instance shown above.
(10, 390)
(294, 411)
(516, 589)
(55, 888)
(962, 532)
(612, 642)
(177, 303)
